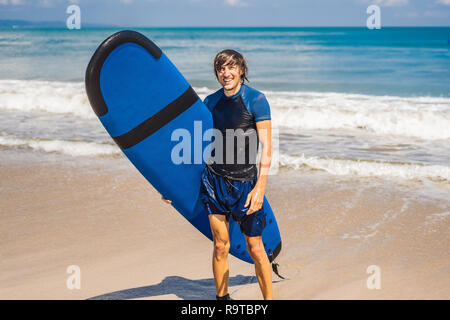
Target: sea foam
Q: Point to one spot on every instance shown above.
(367, 168)
(72, 148)
(426, 118)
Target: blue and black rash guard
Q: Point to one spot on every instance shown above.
(240, 113)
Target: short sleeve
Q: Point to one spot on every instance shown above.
(260, 108)
(211, 100)
(207, 103)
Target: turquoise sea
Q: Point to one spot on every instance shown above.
(389, 61)
(344, 100)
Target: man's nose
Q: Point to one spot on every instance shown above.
(226, 72)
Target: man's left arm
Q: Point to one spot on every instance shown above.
(256, 196)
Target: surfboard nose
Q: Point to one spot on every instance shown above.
(128, 64)
(95, 64)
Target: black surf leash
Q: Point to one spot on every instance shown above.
(275, 270)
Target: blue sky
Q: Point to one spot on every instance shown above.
(139, 13)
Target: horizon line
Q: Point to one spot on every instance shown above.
(55, 24)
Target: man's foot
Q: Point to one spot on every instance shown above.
(225, 297)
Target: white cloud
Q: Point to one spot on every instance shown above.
(45, 3)
(12, 2)
(50, 3)
(389, 3)
(235, 3)
(53, 3)
(445, 2)
(41, 3)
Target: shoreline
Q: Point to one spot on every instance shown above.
(103, 216)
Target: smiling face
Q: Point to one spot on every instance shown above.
(231, 70)
(230, 77)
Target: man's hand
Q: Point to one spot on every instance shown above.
(255, 198)
(166, 200)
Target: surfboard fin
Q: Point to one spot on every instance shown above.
(275, 270)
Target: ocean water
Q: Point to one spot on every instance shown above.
(349, 101)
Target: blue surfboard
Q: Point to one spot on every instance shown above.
(142, 99)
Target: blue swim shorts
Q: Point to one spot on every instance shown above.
(225, 196)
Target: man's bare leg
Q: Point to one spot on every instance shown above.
(219, 229)
(263, 269)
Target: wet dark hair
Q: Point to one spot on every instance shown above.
(236, 59)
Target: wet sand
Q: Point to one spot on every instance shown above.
(101, 215)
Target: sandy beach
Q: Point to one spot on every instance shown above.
(360, 116)
(101, 215)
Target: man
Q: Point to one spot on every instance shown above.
(231, 186)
